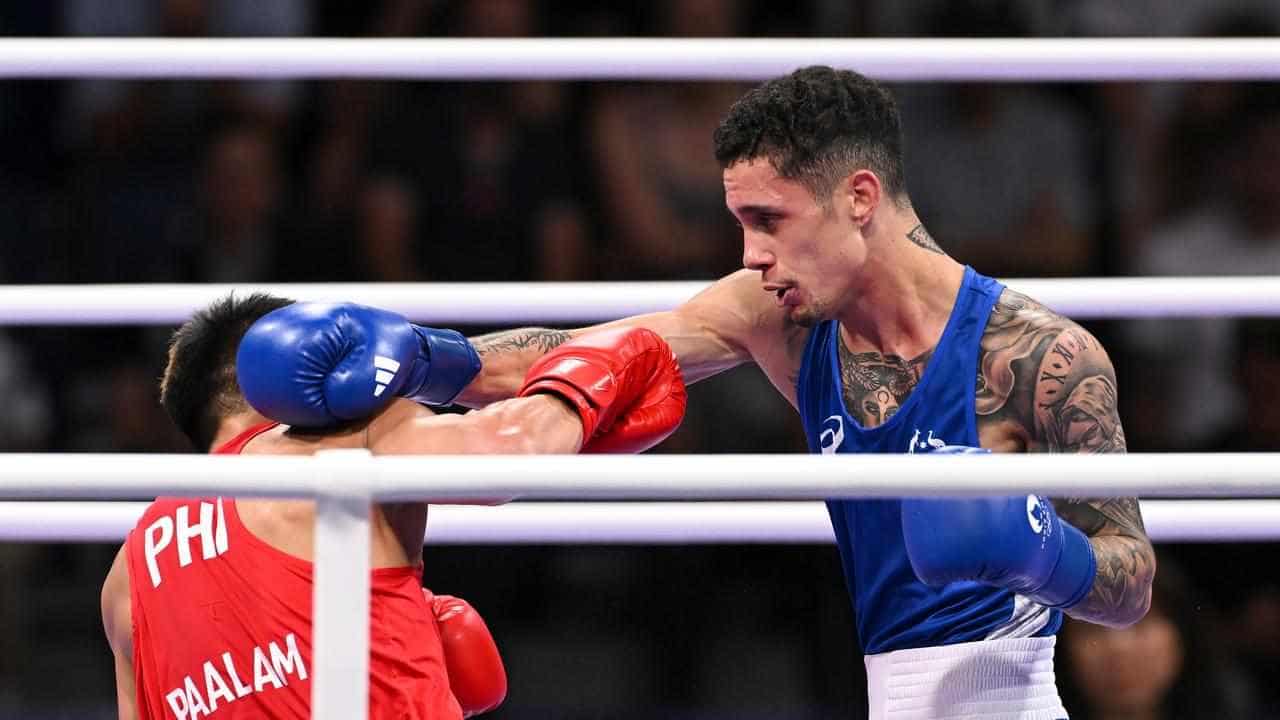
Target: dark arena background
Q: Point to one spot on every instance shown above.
(256, 182)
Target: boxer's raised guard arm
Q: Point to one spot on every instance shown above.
(1076, 411)
(731, 322)
(1121, 592)
(1070, 406)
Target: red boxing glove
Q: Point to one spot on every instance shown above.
(476, 675)
(624, 382)
(650, 417)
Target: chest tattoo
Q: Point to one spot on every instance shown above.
(876, 385)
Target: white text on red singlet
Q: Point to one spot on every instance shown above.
(211, 529)
(220, 682)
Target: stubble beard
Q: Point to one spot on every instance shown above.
(807, 315)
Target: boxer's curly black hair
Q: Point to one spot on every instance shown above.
(817, 126)
(199, 386)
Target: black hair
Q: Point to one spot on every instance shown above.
(199, 386)
(817, 126)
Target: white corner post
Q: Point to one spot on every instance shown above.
(340, 605)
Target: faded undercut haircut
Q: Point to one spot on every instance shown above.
(817, 126)
(199, 387)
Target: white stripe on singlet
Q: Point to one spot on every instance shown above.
(1027, 619)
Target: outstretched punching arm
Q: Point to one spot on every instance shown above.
(731, 322)
(615, 390)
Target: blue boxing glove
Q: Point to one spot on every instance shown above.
(1017, 542)
(319, 364)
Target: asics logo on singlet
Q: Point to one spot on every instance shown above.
(387, 369)
(832, 435)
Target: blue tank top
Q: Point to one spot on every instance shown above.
(895, 610)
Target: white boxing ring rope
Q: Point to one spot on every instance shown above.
(345, 482)
(636, 523)
(900, 59)
(575, 302)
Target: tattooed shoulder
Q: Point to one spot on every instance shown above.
(1016, 336)
(1050, 376)
(1076, 407)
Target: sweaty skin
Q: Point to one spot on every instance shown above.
(1044, 385)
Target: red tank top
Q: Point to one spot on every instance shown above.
(222, 622)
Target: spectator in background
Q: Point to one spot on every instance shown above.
(387, 237)
(117, 410)
(111, 111)
(1232, 228)
(516, 165)
(28, 406)
(232, 234)
(1166, 666)
(1253, 628)
(377, 239)
(1159, 134)
(1003, 164)
(1257, 360)
(134, 143)
(494, 166)
(1192, 142)
(660, 189)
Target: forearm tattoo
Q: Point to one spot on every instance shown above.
(1047, 376)
(541, 340)
(1126, 562)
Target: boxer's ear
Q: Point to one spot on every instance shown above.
(859, 196)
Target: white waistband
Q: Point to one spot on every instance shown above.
(1010, 679)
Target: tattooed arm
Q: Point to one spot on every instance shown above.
(1121, 591)
(1046, 385)
(731, 322)
(1075, 412)
(505, 357)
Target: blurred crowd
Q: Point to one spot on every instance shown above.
(265, 181)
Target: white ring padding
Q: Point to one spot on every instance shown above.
(901, 59)
(644, 523)
(490, 479)
(561, 303)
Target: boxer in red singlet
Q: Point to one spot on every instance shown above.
(208, 604)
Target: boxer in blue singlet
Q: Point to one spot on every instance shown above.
(884, 343)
